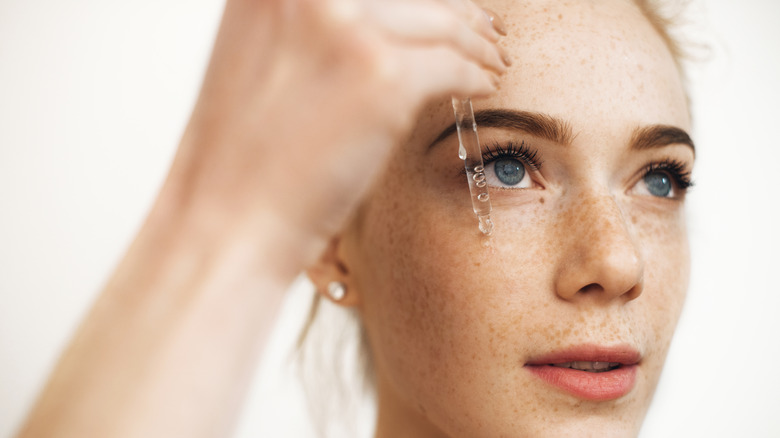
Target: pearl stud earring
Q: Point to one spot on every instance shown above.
(337, 290)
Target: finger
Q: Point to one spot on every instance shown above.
(442, 71)
(496, 21)
(485, 21)
(427, 23)
(478, 18)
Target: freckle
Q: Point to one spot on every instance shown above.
(560, 16)
(541, 200)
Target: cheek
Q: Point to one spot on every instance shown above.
(450, 318)
(664, 243)
(418, 262)
(445, 307)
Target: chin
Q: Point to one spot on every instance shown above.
(593, 426)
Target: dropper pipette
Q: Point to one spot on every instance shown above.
(470, 152)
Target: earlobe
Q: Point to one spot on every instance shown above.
(331, 276)
(337, 290)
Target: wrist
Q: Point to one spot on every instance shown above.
(253, 241)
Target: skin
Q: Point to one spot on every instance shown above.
(169, 347)
(584, 255)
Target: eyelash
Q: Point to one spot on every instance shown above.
(675, 169)
(529, 157)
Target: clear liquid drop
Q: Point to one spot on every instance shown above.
(461, 151)
(485, 225)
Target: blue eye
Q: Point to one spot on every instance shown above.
(510, 165)
(509, 171)
(668, 179)
(658, 184)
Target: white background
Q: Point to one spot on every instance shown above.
(95, 93)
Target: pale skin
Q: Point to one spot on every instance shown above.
(584, 253)
(168, 348)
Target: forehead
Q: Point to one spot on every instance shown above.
(586, 61)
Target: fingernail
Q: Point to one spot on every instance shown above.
(504, 56)
(495, 21)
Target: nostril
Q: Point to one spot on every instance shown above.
(634, 292)
(592, 288)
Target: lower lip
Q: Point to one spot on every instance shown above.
(608, 385)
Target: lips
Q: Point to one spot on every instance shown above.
(589, 372)
(595, 367)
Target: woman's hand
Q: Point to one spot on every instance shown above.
(304, 99)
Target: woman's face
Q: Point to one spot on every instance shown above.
(588, 261)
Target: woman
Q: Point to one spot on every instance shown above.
(556, 325)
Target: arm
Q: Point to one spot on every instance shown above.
(168, 348)
(172, 338)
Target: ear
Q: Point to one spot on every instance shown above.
(330, 267)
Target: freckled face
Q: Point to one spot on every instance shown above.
(590, 251)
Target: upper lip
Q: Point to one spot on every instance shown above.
(622, 354)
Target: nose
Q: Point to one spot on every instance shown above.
(600, 256)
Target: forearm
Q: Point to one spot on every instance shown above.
(285, 139)
(168, 348)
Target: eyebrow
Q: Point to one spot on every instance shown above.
(537, 124)
(559, 131)
(654, 136)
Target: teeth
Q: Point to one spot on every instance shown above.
(588, 366)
